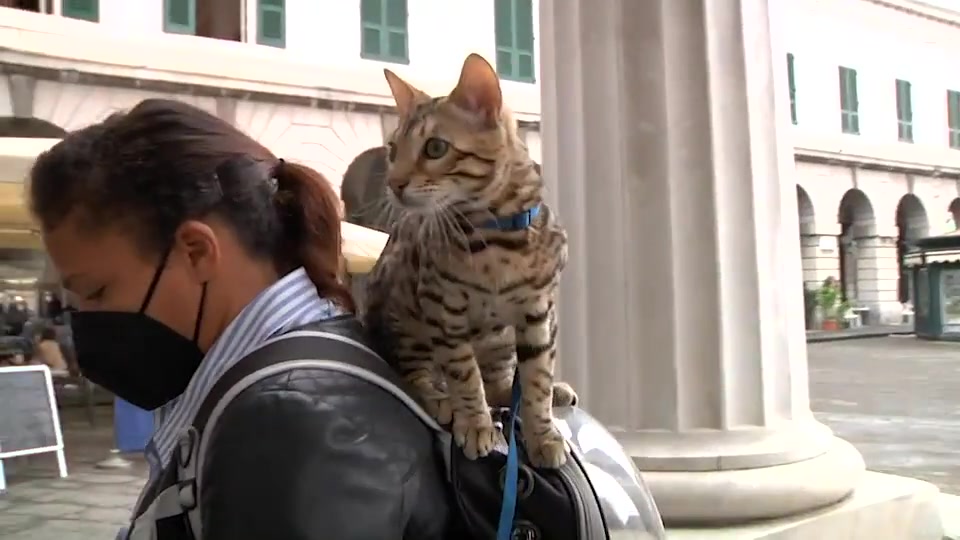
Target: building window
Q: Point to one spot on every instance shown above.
(271, 23)
(36, 6)
(904, 111)
(383, 26)
(514, 36)
(849, 104)
(180, 17)
(87, 10)
(217, 19)
(792, 82)
(953, 117)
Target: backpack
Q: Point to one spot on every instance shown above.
(558, 504)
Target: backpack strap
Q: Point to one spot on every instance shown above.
(299, 349)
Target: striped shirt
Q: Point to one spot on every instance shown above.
(289, 303)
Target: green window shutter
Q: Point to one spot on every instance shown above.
(849, 106)
(513, 33)
(383, 28)
(180, 16)
(792, 84)
(523, 30)
(503, 23)
(271, 23)
(953, 109)
(87, 10)
(904, 111)
(953, 118)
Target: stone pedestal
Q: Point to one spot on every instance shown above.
(681, 311)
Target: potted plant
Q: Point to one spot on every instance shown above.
(842, 310)
(810, 307)
(828, 299)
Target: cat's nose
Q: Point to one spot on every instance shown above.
(398, 186)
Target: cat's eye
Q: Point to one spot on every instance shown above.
(435, 148)
(391, 152)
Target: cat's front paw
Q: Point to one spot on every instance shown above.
(547, 449)
(439, 408)
(564, 395)
(476, 435)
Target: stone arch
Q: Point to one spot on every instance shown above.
(31, 128)
(809, 241)
(912, 220)
(806, 212)
(858, 222)
(22, 264)
(912, 224)
(856, 213)
(954, 210)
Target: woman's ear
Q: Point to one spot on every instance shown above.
(198, 243)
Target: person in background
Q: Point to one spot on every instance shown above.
(48, 352)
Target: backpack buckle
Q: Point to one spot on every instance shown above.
(186, 445)
(187, 494)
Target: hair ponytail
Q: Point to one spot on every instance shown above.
(310, 212)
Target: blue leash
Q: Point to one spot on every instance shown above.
(509, 507)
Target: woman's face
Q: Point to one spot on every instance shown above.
(105, 270)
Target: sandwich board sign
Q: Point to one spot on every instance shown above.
(29, 421)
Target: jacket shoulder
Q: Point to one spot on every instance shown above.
(339, 443)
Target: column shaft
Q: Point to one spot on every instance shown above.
(681, 309)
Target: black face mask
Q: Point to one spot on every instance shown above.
(138, 358)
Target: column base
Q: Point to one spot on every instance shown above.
(883, 507)
(741, 495)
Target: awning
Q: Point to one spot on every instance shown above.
(361, 246)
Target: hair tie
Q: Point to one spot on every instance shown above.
(274, 177)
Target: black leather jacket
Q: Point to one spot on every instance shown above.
(321, 455)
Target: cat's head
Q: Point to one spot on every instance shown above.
(451, 150)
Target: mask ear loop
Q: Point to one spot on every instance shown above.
(156, 279)
(203, 300)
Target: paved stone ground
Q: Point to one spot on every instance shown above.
(90, 504)
(897, 399)
(817, 336)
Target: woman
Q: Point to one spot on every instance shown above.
(48, 352)
(185, 245)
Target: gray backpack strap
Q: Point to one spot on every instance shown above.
(300, 349)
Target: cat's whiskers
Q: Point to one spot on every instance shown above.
(453, 227)
(380, 211)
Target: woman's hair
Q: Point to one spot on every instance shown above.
(165, 162)
(48, 333)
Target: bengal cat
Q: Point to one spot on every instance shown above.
(464, 293)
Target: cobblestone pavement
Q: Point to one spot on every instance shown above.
(897, 399)
(90, 504)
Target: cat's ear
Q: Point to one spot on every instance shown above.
(404, 94)
(478, 90)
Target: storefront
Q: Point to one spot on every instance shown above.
(22, 261)
(935, 265)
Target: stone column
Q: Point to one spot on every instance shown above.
(681, 322)
(820, 254)
(877, 278)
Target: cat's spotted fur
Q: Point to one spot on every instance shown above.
(461, 305)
